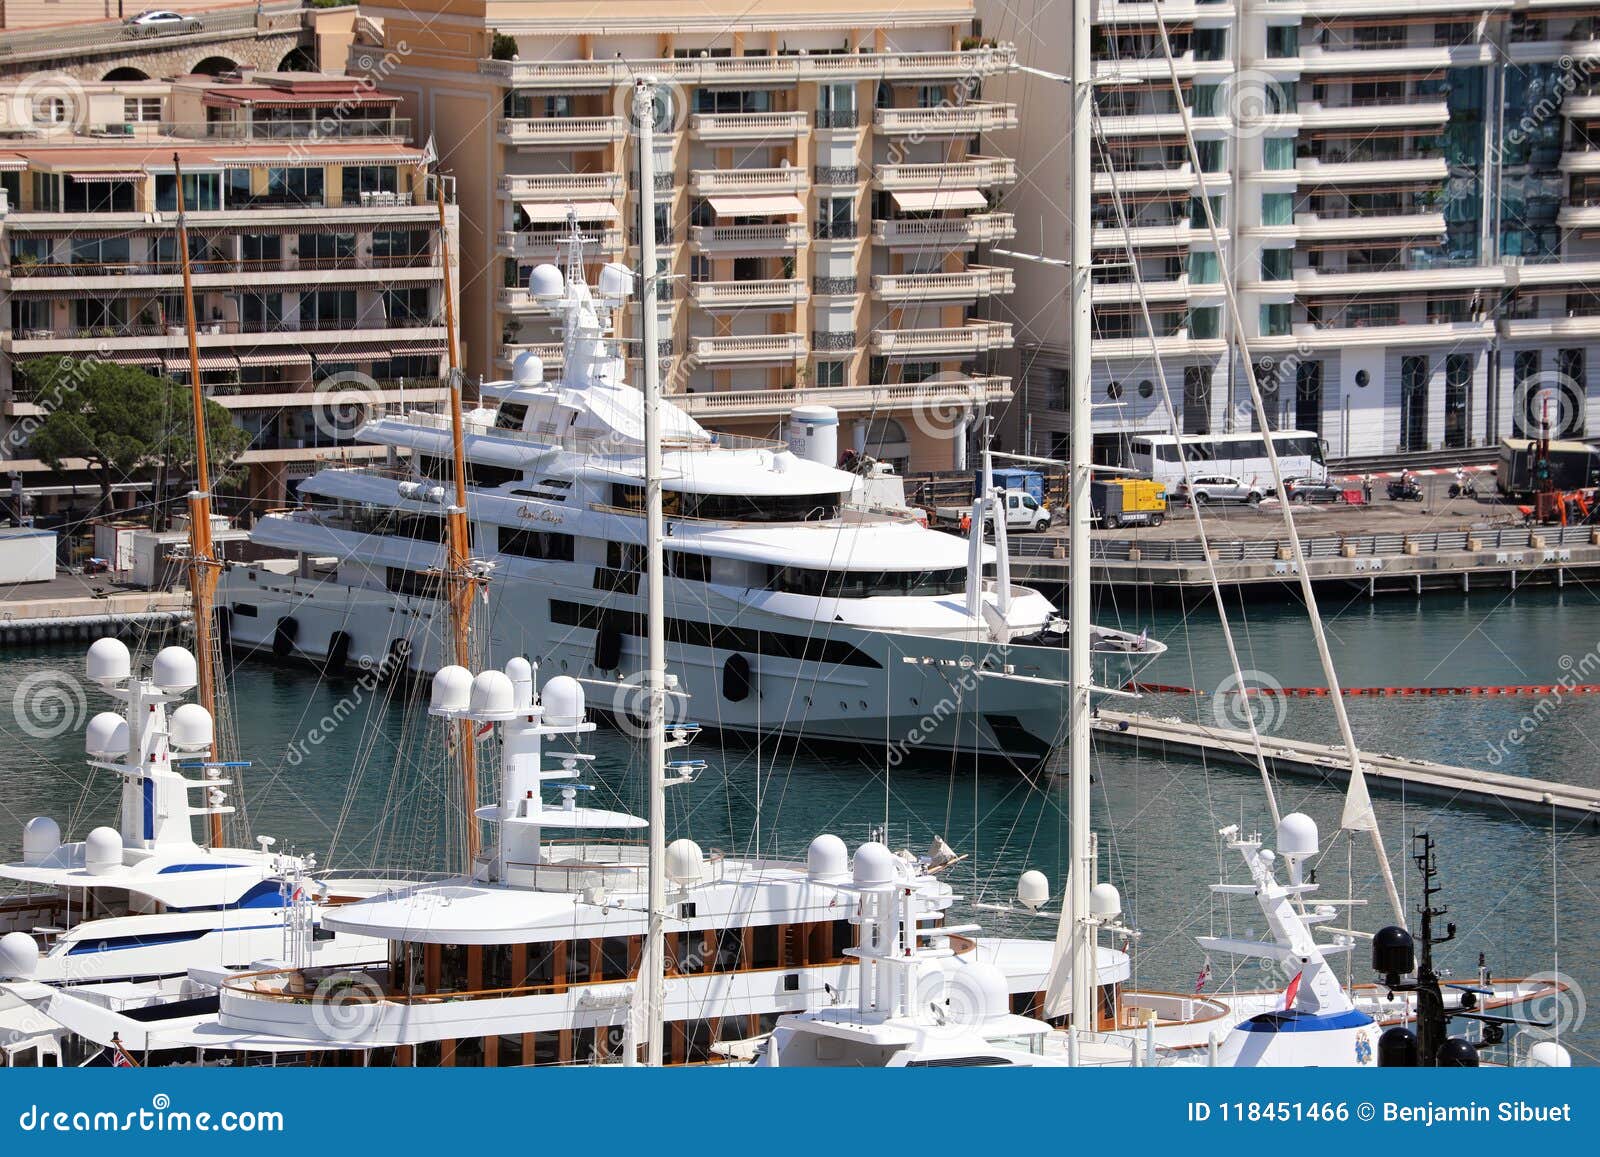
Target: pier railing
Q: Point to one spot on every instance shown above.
(1508, 538)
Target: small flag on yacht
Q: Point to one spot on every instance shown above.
(1292, 991)
(1204, 978)
(120, 1059)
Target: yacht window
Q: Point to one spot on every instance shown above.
(510, 415)
(545, 544)
(865, 584)
(487, 477)
(691, 567)
(629, 497)
(509, 1051)
(762, 507)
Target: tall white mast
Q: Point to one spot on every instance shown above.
(1081, 442)
(653, 965)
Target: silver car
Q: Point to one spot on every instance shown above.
(1206, 488)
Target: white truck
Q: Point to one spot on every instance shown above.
(1024, 512)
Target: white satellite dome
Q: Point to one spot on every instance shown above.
(452, 689)
(545, 280)
(1297, 835)
(1547, 1054)
(685, 862)
(960, 993)
(19, 956)
(492, 694)
(616, 280)
(190, 727)
(563, 701)
(520, 672)
(40, 839)
(174, 669)
(827, 859)
(527, 369)
(107, 661)
(106, 736)
(875, 865)
(1033, 889)
(1105, 901)
(102, 851)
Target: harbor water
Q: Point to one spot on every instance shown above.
(355, 771)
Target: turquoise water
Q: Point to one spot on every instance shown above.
(345, 771)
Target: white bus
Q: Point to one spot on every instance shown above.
(1244, 456)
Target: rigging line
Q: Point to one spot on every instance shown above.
(1369, 819)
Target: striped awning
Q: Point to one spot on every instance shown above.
(209, 363)
(106, 176)
(134, 358)
(271, 357)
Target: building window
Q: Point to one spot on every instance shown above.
(1283, 41)
(1210, 153)
(1205, 322)
(830, 373)
(1277, 208)
(201, 191)
(1277, 153)
(1197, 399)
(1276, 319)
(1204, 267)
(1210, 43)
(1457, 400)
(1277, 264)
(141, 109)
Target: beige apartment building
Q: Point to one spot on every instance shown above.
(314, 244)
(824, 194)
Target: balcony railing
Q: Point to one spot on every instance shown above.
(936, 232)
(747, 126)
(879, 399)
(563, 131)
(974, 172)
(328, 128)
(956, 341)
(833, 341)
(749, 238)
(838, 118)
(547, 186)
(748, 181)
(776, 347)
(836, 174)
(984, 61)
(746, 294)
(831, 230)
(835, 286)
(549, 242)
(975, 281)
(961, 120)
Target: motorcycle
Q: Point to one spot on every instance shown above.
(1404, 490)
(1465, 486)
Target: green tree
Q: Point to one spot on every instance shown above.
(123, 422)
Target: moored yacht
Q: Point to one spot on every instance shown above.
(800, 600)
(127, 911)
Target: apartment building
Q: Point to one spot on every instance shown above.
(1405, 196)
(824, 195)
(314, 245)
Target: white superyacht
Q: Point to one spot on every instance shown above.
(795, 606)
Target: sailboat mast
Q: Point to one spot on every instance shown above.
(459, 580)
(1080, 447)
(654, 964)
(202, 563)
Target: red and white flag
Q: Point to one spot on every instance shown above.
(1204, 978)
(1292, 991)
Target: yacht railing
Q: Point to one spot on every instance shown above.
(582, 443)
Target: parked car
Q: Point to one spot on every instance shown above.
(1302, 490)
(161, 22)
(1218, 488)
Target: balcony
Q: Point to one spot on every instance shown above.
(549, 244)
(1176, 344)
(1140, 236)
(210, 273)
(747, 182)
(1153, 124)
(1147, 180)
(1337, 332)
(562, 186)
(748, 349)
(971, 283)
(953, 342)
(952, 120)
(225, 336)
(1372, 172)
(1578, 216)
(924, 396)
(775, 238)
(1422, 54)
(748, 126)
(1314, 282)
(562, 132)
(836, 175)
(979, 62)
(779, 294)
(1320, 114)
(975, 172)
(1177, 289)
(1316, 227)
(1571, 325)
(947, 233)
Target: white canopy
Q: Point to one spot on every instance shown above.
(783, 205)
(941, 199)
(557, 210)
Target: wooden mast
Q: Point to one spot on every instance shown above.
(460, 581)
(202, 564)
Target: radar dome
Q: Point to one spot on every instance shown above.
(1548, 1055)
(563, 701)
(520, 672)
(1105, 901)
(19, 956)
(1033, 889)
(1297, 835)
(875, 865)
(685, 863)
(452, 689)
(545, 281)
(107, 660)
(493, 694)
(827, 859)
(174, 669)
(40, 839)
(527, 369)
(106, 736)
(616, 280)
(102, 851)
(190, 727)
